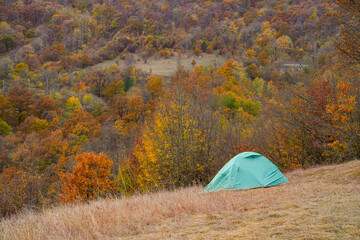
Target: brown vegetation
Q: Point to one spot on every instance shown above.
(319, 203)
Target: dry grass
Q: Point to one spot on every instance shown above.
(166, 67)
(320, 203)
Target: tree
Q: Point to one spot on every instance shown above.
(348, 17)
(34, 62)
(33, 124)
(71, 105)
(22, 100)
(318, 125)
(6, 65)
(114, 88)
(93, 106)
(155, 85)
(5, 129)
(285, 43)
(97, 81)
(250, 53)
(6, 109)
(85, 60)
(344, 117)
(169, 146)
(8, 41)
(130, 109)
(258, 85)
(263, 58)
(21, 69)
(30, 33)
(204, 46)
(180, 146)
(59, 49)
(89, 180)
(128, 83)
(82, 125)
(252, 71)
(19, 188)
(46, 107)
(282, 45)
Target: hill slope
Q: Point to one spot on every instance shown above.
(320, 203)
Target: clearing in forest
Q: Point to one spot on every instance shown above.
(166, 66)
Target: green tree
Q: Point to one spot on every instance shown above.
(128, 83)
(204, 46)
(8, 41)
(30, 33)
(5, 129)
(252, 71)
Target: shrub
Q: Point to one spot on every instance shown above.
(90, 178)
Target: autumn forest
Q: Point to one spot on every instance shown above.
(82, 117)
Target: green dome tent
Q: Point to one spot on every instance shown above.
(244, 171)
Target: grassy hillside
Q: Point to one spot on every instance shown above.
(320, 203)
(165, 67)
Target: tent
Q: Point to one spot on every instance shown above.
(247, 170)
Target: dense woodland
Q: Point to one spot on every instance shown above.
(70, 132)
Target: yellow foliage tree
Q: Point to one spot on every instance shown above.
(33, 124)
(250, 53)
(285, 43)
(155, 85)
(71, 105)
(167, 153)
(114, 88)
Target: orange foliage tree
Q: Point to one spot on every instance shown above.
(97, 82)
(82, 125)
(6, 109)
(348, 17)
(46, 107)
(155, 85)
(90, 178)
(22, 100)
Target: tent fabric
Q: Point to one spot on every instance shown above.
(247, 170)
